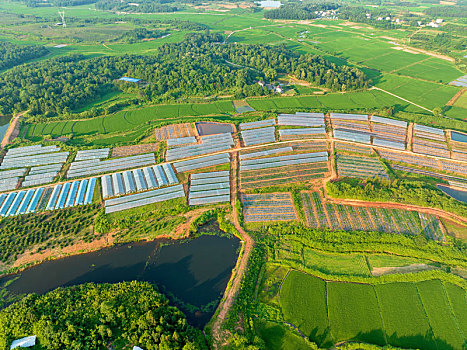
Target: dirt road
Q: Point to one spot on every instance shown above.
(239, 270)
(13, 130)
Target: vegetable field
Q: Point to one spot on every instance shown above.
(268, 207)
(403, 314)
(320, 214)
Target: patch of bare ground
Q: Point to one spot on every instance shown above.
(454, 99)
(379, 271)
(13, 130)
(77, 248)
(124, 151)
(219, 335)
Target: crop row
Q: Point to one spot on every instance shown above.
(346, 217)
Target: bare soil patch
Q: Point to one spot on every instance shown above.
(124, 151)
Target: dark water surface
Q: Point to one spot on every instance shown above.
(4, 124)
(194, 271)
(456, 194)
(458, 136)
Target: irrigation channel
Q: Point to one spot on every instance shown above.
(192, 273)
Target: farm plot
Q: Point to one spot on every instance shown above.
(347, 147)
(439, 313)
(268, 207)
(388, 132)
(264, 167)
(125, 151)
(424, 93)
(303, 302)
(283, 175)
(174, 131)
(305, 133)
(403, 314)
(360, 167)
(354, 312)
(320, 214)
(314, 146)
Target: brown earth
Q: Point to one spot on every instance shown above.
(238, 272)
(379, 271)
(455, 97)
(13, 130)
(124, 151)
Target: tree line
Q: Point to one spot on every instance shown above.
(299, 11)
(198, 66)
(12, 55)
(144, 6)
(100, 316)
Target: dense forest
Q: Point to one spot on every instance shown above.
(100, 316)
(12, 55)
(299, 11)
(442, 42)
(198, 66)
(138, 34)
(307, 10)
(144, 6)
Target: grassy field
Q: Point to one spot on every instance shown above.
(427, 315)
(339, 264)
(390, 261)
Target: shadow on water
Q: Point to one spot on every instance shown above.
(4, 124)
(459, 195)
(193, 273)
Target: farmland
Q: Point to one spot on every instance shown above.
(314, 136)
(397, 313)
(368, 218)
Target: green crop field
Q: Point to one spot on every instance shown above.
(403, 315)
(427, 314)
(424, 93)
(303, 302)
(457, 300)
(348, 101)
(438, 310)
(128, 121)
(354, 312)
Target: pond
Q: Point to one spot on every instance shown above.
(4, 124)
(458, 136)
(193, 273)
(456, 194)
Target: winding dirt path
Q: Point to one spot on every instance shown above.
(393, 205)
(13, 130)
(240, 269)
